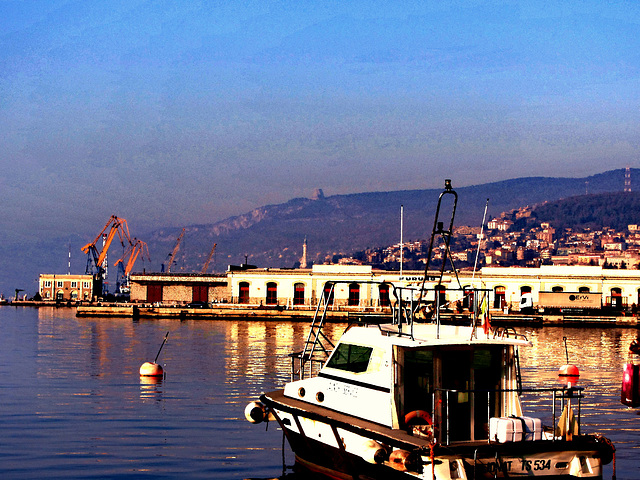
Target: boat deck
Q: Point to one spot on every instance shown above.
(402, 439)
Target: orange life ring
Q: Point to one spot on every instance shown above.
(416, 416)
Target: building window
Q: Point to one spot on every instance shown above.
(272, 293)
(383, 293)
(499, 297)
(328, 293)
(47, 284)
(154, 293)
(199, 293)
(60, 295)
(85, 285)
(59, 284)
(467, 299)
(74, 284)
(243, 297)
(74, 295)
(557, 289)
(616, 298)
(584, 290)
(298, 294)
(354, 295)
(441, 293)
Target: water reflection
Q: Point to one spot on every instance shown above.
(151, 388)
(72, 400)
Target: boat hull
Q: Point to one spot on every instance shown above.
(342, 447)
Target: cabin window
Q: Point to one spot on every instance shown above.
(418, 380)
(298, 294)
(244, 292)
(272, 293)
(354, 294)
(352, 358)
(383, 294)
(487, 374)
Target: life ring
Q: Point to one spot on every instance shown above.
(418, 417)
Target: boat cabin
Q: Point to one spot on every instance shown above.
(443, 380)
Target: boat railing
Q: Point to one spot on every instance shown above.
(562, 396)
(413, 306)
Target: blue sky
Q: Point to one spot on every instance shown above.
(180, 112)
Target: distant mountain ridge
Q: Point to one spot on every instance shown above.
(272, 235)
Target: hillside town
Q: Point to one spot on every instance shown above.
(505, 244)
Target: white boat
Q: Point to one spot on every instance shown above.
(427, 401)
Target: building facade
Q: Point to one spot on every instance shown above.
(68, 288)
(364, 287)
(178, 288)
(360, 287)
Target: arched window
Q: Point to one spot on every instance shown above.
(298, 294)
(354, 295)
(272, 293)
(499, 294)
(616, 298)
(584, 290)
(467, 299)
(526, 299)
(557, 289)
(383, 294)
(60, 295)
(441, 292)
(328, 293)
(243, 297)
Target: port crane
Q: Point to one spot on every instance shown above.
(136, 248)
(172, 255)
(114, 225)
(206, 264)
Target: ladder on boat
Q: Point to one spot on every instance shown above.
(317, 346)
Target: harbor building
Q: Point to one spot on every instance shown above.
(68, 288)
(364, 287)
(178, 288)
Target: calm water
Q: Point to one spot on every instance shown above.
(72, 404)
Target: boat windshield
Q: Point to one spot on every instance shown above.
(351, 358)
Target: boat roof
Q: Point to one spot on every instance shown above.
(424, 335)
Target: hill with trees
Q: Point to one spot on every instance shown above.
(273, 235)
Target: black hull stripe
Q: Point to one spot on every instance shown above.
(355, 382)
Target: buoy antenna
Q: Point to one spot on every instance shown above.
(163, 342)
(564, 339)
